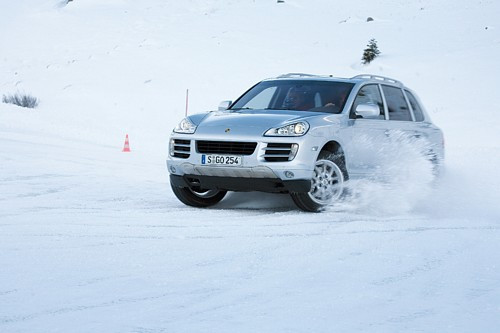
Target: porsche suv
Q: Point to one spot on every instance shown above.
(301, 134)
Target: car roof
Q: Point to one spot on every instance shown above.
(355, 79)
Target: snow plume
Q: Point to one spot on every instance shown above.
(398, 180)
(469, 188)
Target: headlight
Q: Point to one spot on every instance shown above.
(296, 129)
(185, 127)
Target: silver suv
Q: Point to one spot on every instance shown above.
(300, 134)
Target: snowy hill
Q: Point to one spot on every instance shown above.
(92, 239)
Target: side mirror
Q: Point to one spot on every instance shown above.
(224, 105)
(368, 110)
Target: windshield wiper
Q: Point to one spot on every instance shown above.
(238, 109)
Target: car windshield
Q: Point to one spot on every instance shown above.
(297, 95)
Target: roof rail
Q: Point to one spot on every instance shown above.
(377, 78)
(282, 76)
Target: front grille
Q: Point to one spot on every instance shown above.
(280, 152)
(181, 148)
(226, 147)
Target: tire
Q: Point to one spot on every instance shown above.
(198, 197)
(327, 184)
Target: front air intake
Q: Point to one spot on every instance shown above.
(280, 152)
(225, 147)
(181, 148)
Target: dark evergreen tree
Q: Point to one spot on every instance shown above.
(371, 51)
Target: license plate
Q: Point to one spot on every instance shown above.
(220, 160)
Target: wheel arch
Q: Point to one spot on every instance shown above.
(335, 148)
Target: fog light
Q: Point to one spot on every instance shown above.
(172, 169)
(289, 174)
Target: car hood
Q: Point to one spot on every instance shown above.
(252, 122)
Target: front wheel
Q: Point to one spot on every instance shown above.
(198, 197)
(327, 183)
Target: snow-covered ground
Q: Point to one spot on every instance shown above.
(93, 239)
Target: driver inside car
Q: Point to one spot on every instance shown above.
(298, 98)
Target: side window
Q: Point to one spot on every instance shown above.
(262, 100)
(396, 103)
(369, 94)
(417, 110)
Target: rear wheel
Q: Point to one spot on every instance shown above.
(198, 197)
(327, 183)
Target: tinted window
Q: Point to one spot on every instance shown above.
(369, 94)
(396, 103)
(299, 95)
(417, 110)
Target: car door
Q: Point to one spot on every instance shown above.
(367, 135)
(406, 126)
(402, 126)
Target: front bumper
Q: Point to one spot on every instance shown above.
(254, 174)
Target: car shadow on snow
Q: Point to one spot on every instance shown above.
(257, 201)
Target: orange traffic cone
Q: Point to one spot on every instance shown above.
(126, 147)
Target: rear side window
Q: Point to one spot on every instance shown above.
(417, 110)
(396, 103)
(369, 94)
